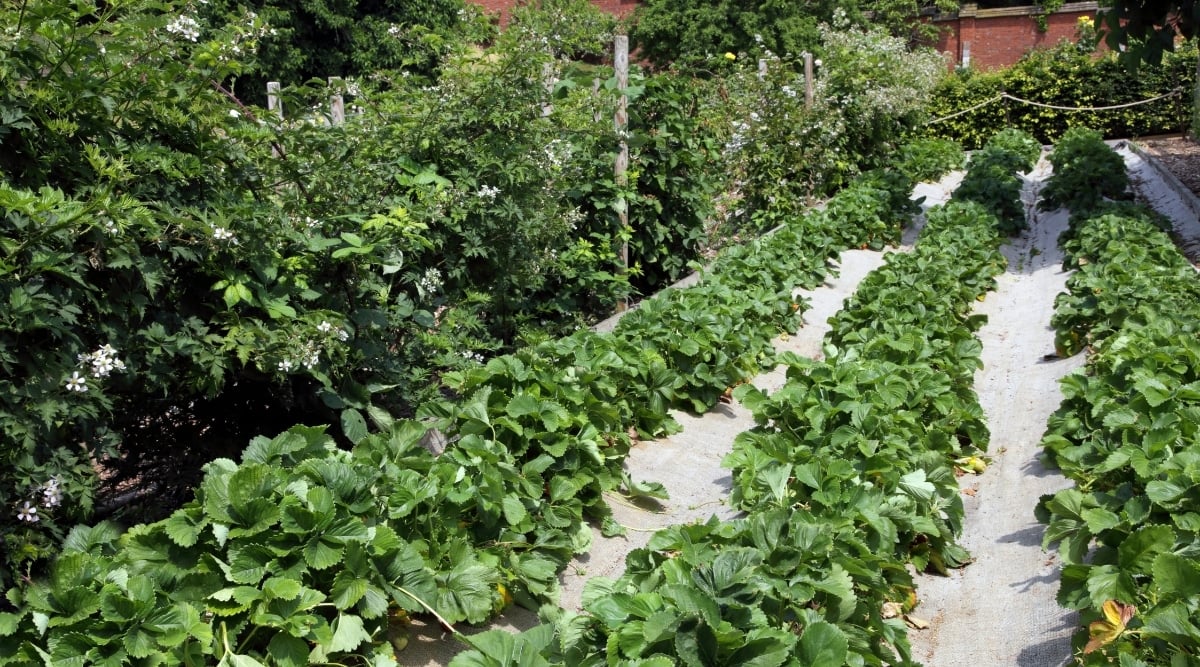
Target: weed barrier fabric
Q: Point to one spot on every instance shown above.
(1159, 189)
(1000, 611)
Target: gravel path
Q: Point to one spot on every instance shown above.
(1000, 610)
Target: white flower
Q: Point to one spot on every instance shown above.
(324, 327)
(77, 383)
(430, 282)
(234, 113)
(186, 27)
(343, 335)
(487, 192)
(27, 513)
(222, 234)
(51, 497)
(102, 366)
(285, 365)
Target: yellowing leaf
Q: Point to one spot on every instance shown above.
(1103, 632)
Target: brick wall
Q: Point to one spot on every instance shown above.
(989, 39)
(986, 38)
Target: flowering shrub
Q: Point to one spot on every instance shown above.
(870, 91)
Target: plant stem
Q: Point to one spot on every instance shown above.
(441, 619)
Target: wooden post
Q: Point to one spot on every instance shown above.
(273, 101)
(548, 81)
(274, 104)
(337, 105)
(595, 95)
(809, 88)
(621, 122)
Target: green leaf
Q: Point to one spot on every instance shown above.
(1099, 519)
(1176, 576)
(281, 588)
(1138, 551)
(1172, 623)
(348, 589)
(915, 485)
(288, 651)
(248, 564)
(467, 593)
(840, 585)
(238, 660)
(521, 405)
(348, 634)
(514, 510)
(697, 647)
(320, 555)
(498, 648)
(1108, 582)
(1163, 492)
(353, 425)
(182, 529)
(822, 645)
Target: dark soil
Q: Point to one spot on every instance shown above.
(1180, 155)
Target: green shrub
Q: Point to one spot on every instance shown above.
(1063, 76)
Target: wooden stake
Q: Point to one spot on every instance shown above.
(337, 105)
(809, 88)
(621, 122)
(274, 104)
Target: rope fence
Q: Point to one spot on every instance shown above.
(1006, 96)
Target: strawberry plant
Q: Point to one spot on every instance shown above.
(848, 477)
(992, 178)
(1086, 173)
(1126, 434)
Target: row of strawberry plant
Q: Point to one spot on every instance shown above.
(848, 477)
(303, 552)
(1128, 431)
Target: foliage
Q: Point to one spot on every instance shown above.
(315, 40)
(692, 32)
(992, 178)
(926, 159)
(307, 552)
(847, 477)
(784, 153)
(183, 275)
(1126, 434)
(1065, 76)
(1086, 173)
(1145, 30)
(677, 124)
(185, 271)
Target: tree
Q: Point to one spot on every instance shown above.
(1144, 29)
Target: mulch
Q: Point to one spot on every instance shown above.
(1179, 155)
